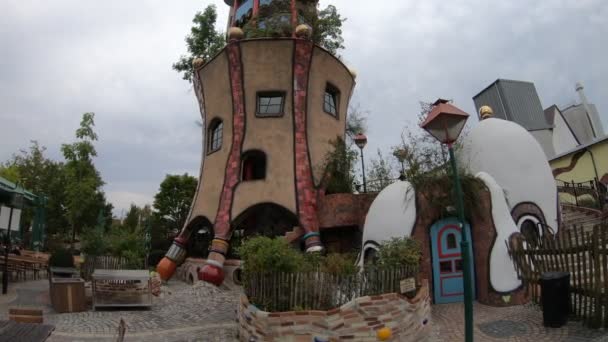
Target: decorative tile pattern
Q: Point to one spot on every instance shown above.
(358, 320)
(233, 167)
(306, 192)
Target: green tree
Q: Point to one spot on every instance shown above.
(356, 123)
(173, 200)
(381, 173)
(43, 176)
(339, 172)
(327, 29)
(83, 186)
(204, 41)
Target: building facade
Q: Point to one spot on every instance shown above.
(557, 130)
(270, 107)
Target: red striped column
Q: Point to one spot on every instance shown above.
(306, 193)
(212, 272)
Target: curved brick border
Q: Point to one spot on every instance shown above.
(358, 320)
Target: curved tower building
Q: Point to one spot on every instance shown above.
(271, 102)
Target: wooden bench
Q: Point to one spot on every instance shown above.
(24, 315)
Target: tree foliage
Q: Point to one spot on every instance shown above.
(381, 173)
(83, 194)
(399, 252)
(339, 168)
(356, 122)
(327, 29)
(173, 200)
(42, 176)
(204, 41)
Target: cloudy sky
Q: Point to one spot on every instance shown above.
(61, 58)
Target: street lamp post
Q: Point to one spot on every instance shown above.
(444, 123)
(361, 141)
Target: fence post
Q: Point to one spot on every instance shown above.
(575, 195)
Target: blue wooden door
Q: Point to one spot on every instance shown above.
(447, 261)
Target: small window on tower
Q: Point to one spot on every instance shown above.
(330, 100)
(254, 166)
(270, 103)
(216, 134)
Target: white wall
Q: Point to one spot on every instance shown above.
(563, 139)
(4, 218)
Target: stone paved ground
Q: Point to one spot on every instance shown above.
(520, 323)
(204, 313)
(183, 313)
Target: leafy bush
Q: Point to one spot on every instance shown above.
(262, 255)
(61, 258)
(265, 255)
(588, 202)
(94, 243)
(399, 252)
(336, 263)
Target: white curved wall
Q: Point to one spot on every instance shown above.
(515, 160)
(392, 214)
(503, 276)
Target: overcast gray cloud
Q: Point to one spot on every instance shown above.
(62, 58)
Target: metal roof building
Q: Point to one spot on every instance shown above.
(515, 101)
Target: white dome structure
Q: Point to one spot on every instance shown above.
(392, 214)
(512, 156)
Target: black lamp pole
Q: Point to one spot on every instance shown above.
(363, 170)
(361, 141)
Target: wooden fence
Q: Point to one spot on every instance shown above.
(321, 291)
(582, 253)
(106, 262)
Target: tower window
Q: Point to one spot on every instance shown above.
(270, 103)
(215, 135)
(330, 100)
(243, 13)
(254, 166)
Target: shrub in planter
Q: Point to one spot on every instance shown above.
(399, 252)
(263, 255)
(61, 258)
(343, 264)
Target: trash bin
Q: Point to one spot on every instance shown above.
(555, 298)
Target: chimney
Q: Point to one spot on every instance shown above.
(579, 89)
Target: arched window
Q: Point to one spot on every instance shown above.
(215, 135)
(451, 241)
(254, 166)
(370, 257)
(530, 232)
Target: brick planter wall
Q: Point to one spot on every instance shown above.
(358, 320)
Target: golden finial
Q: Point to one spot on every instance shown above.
(235, 33)
(303, 31)
(197, 63)
(485, 112)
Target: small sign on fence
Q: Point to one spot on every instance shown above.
(407, 285)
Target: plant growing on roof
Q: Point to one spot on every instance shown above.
(204, 41)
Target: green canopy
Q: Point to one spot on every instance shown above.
(10, 192)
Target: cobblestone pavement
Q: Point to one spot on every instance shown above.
(204, 313)
(183, 313)
(492, 324)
